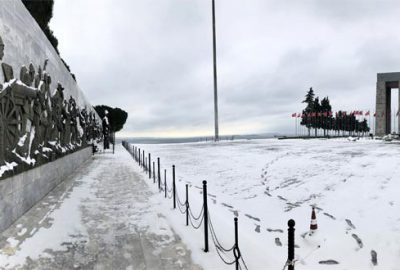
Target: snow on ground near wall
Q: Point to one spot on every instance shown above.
(354, 186)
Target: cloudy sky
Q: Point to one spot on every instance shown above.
(153, 58)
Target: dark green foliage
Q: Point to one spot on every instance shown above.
(116, 116)
(42, 12)
(309, 100)
(318, 115)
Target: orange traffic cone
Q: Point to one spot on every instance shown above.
(313, 225)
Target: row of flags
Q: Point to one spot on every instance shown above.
(326, 114)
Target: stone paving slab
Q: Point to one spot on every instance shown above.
(102, 217)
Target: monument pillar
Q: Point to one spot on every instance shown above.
(384, 85)
(380, 121)
(398, 110)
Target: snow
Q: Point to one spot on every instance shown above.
(266, 182)
(66, 220)
(7, 167)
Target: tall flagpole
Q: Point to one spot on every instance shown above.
(215, 74)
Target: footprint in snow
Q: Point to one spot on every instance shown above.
(278, 242)
(329, 262)
(266, 192)
(251, 217)
(329, 215)
(257, 229)
(274, 230)
(227, 205)
(374, 257)
(235, 212)
(358, 239)
(350, 224)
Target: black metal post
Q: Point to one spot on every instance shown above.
(165, 183)
(113, 142)
(149, 166)
(205, 216)
(173, 185)
(236, 251)
(154, 174)
(139, 154)
(143, 160)
(187, 205)
(291, 229)
(158, 172)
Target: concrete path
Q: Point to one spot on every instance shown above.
(102, 217)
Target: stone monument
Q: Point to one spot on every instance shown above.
(385, 83)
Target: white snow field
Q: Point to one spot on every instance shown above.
(354, 186)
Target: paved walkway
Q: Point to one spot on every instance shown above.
(102, 217)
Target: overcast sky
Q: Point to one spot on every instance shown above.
(153, 58)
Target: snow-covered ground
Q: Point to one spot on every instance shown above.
(353, 185)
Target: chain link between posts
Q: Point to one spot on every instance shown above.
(222, 252)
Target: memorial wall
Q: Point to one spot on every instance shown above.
(44, 115)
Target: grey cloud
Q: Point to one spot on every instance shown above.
(154, 58)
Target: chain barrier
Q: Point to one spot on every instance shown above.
(222, 252)
(180, 205)
(199, 216)
(218, 243)
(192, 218)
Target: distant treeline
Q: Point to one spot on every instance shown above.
(318, 115)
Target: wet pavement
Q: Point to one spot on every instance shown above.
(104, 216)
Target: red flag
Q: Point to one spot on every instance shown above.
(367, 113)
(298, 115)
(361, 113)
(293, 114)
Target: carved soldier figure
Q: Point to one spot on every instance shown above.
(57, 101)
(73, 112)
(83, 124)
(106, 130)
(66, 121)
(7, 69)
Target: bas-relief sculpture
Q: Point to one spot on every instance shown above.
(37, 126)
(106, 131)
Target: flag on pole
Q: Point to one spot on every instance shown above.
(293, 114)
(298, 115)
(367, 113)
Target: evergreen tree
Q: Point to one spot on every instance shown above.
(116, 116)
(317, 119)
(326, 110)
(306, 114)
(42, 12)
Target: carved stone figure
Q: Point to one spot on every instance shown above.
(106, 131)
(35, 125)
(57, 101)
(73, 112)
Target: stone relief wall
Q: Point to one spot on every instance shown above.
(38, 124)
(43, 112)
